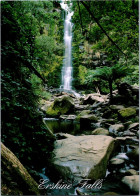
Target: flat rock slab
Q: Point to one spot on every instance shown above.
(81, 157)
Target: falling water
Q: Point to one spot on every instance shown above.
(67, 62)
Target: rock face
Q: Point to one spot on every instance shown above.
(61, 105)
(81, 157)
(24, 183)
(132, 182)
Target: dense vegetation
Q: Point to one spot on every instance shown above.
(105, 48)
(32, 49)
(105, 35)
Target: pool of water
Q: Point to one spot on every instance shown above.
(66, 126)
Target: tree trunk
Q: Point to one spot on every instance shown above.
(11, 166)
(110, 89)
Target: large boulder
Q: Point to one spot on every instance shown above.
(132, 182)
(81, 157)
(61, 105)
(21, 183)
(94, 98)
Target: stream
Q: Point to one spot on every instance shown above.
(111, 182)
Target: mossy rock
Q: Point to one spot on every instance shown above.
(83, 113)
(127, 113)
(100, 131)
(61, 105)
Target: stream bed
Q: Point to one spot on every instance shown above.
(114, 174)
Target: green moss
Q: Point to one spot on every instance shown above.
(52, 112)
(127, 112)
(60, 106)
(83, 113)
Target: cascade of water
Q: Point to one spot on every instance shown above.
(67, 62)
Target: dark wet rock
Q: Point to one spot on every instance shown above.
(83, 113)
(134, 127)
(96, 105)
(132, 182)
(80, 193)
(127, 140)
(116, 128)
(86, 120)
(100, 131)
(95, 125)
(107, 121)
(116, 107)
(134, 154)
(131, 172)
(61, 136)
(129, 92)
(127, 124)
(107, 113)
(81, 107)
(128, 133)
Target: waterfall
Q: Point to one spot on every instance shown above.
(67, 68)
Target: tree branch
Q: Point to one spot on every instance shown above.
(35, 71)
(110, 39)
(80, 17)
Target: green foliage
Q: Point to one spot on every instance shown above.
(111, 73)
(39, 90)
(120, 21)
(28, 38)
